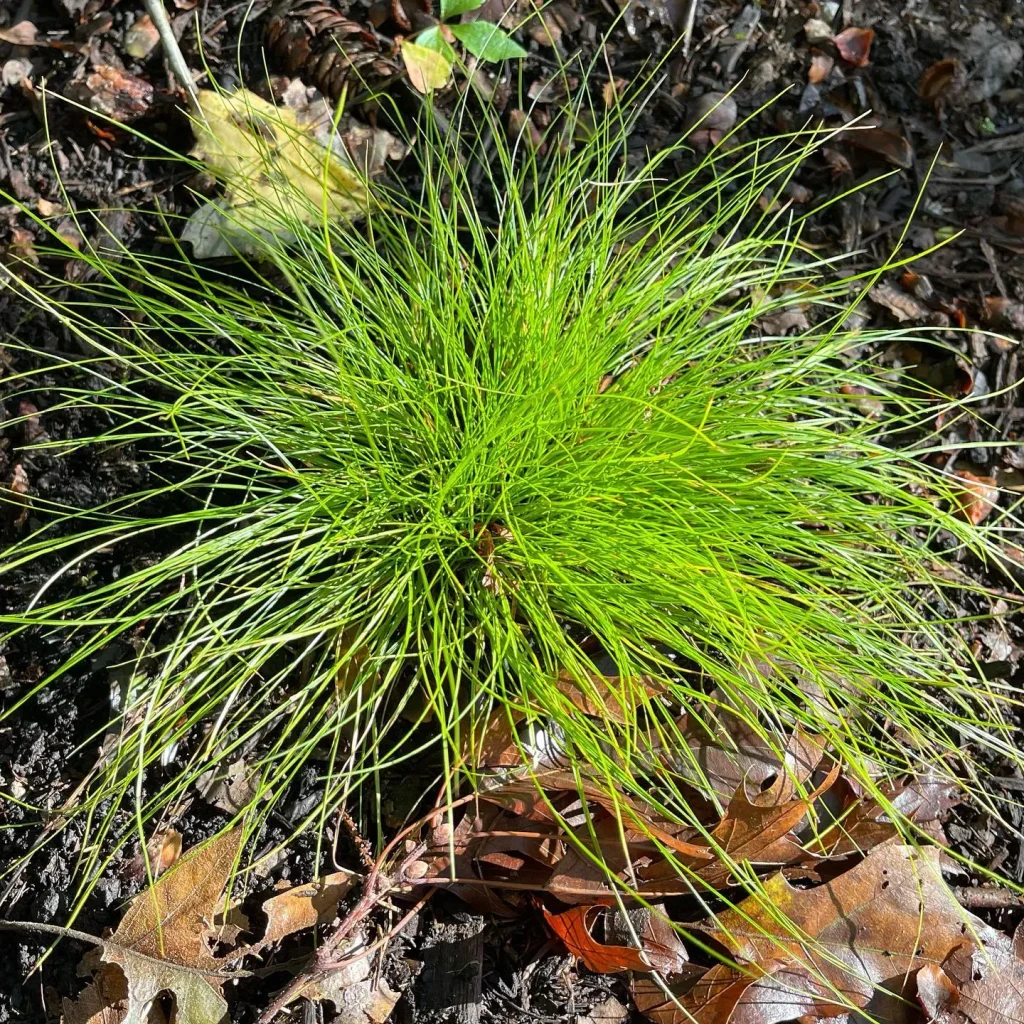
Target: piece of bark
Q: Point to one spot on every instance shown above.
(448, 988)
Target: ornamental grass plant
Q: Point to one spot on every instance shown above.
(522, 440)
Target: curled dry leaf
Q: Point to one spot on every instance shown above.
(936, 993)
(574, 926)
(885, 143)
(903, 307)
(937, 79)
(728, 752)
(162, 943)
(978, 496)
(854, 45)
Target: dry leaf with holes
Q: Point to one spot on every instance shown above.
(857, 940)
(162, 945)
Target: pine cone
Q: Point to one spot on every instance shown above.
(311, 39)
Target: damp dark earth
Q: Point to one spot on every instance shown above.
(925, 102)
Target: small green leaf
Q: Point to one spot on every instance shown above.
(432, 39)
(487, 41)
(453, 8)
(428, 69)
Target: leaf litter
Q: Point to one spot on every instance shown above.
(837, 918)
(165, 946)
(829, 914)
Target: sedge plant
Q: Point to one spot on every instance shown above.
(527, 423)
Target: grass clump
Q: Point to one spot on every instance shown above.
(404, 476)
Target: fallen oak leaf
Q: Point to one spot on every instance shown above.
(527, 797)
(729, 995)
(938, 995)
(761, 833)
(161, 943)
(862, 823)
(858, 938)
(105, 1001)
(573, 928)
(749, 832)
(989, 981)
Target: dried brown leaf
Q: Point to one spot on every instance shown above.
(869, 929)
(891, 145)
(758, 832)
(990, 981)
(821, 68)
(938, 78)
(305, 906)
(604, 696)
(23, 33)
(161, 944)
(232, 790)
(903, 307)
(854, 45)
(573, 927)
(862, 823)
(978, 496)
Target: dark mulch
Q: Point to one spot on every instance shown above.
(945, 84)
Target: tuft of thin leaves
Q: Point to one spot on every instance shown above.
(408, 477)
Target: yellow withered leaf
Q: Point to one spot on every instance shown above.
(276, 175)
